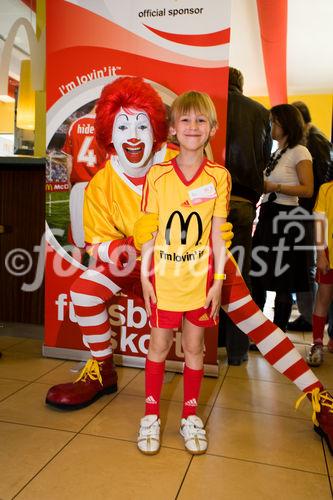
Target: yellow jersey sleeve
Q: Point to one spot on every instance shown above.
(223, 190)
(149, 197)
(324, 205)
(321, 200)
(97, 216)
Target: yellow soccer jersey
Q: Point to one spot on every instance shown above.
(182, 253)
(324, 204)
(112, 202)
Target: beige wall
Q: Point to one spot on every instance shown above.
(7, 117)
(320, 106)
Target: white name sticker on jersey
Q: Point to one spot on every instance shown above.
(202, 194)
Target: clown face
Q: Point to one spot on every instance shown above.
(132, 137)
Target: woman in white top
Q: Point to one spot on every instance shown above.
(278, 256)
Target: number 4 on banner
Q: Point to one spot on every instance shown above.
(85, 154)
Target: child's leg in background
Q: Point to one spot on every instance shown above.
(330, 328)
(323, 301)
(193, 347)
(159, 345)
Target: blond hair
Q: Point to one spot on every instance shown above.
(199, 101)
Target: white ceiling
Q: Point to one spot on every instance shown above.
(309, 52)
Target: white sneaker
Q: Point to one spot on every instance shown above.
(316, 355)
(149, 435)
(194, 434)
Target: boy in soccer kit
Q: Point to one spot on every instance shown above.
(191, 197)
(324, 211)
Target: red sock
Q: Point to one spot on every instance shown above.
(192, 383)
(318, 325)
(154, 380)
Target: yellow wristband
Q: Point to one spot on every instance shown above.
(219, 276)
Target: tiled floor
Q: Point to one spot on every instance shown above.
(259, 447)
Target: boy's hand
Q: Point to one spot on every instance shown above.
(148, 294)
(226, 233)
(144, 228)
(214, 299)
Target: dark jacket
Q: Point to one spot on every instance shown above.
(321, 152)
(248, 145)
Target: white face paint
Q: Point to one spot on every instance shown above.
(132, 137)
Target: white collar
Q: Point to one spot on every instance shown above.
(115, 164)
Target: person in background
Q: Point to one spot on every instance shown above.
(183, 293)
(324, 238)
(278, 261)
(248, 149)
(84, 159)
(320, 149)
(84, 156)
(329, 176)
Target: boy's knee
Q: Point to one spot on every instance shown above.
(193, 348)
(160, 345)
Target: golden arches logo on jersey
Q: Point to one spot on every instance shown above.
(184, 226)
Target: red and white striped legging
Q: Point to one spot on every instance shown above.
(95, 287)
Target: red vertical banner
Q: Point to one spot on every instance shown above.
(175, 46)
(273, 17)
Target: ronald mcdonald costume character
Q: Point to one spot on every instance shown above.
(131, 121)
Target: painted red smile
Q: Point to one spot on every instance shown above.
(134, 152)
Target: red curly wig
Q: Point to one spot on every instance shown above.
(129, 92)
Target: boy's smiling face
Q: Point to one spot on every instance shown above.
(192, 129)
